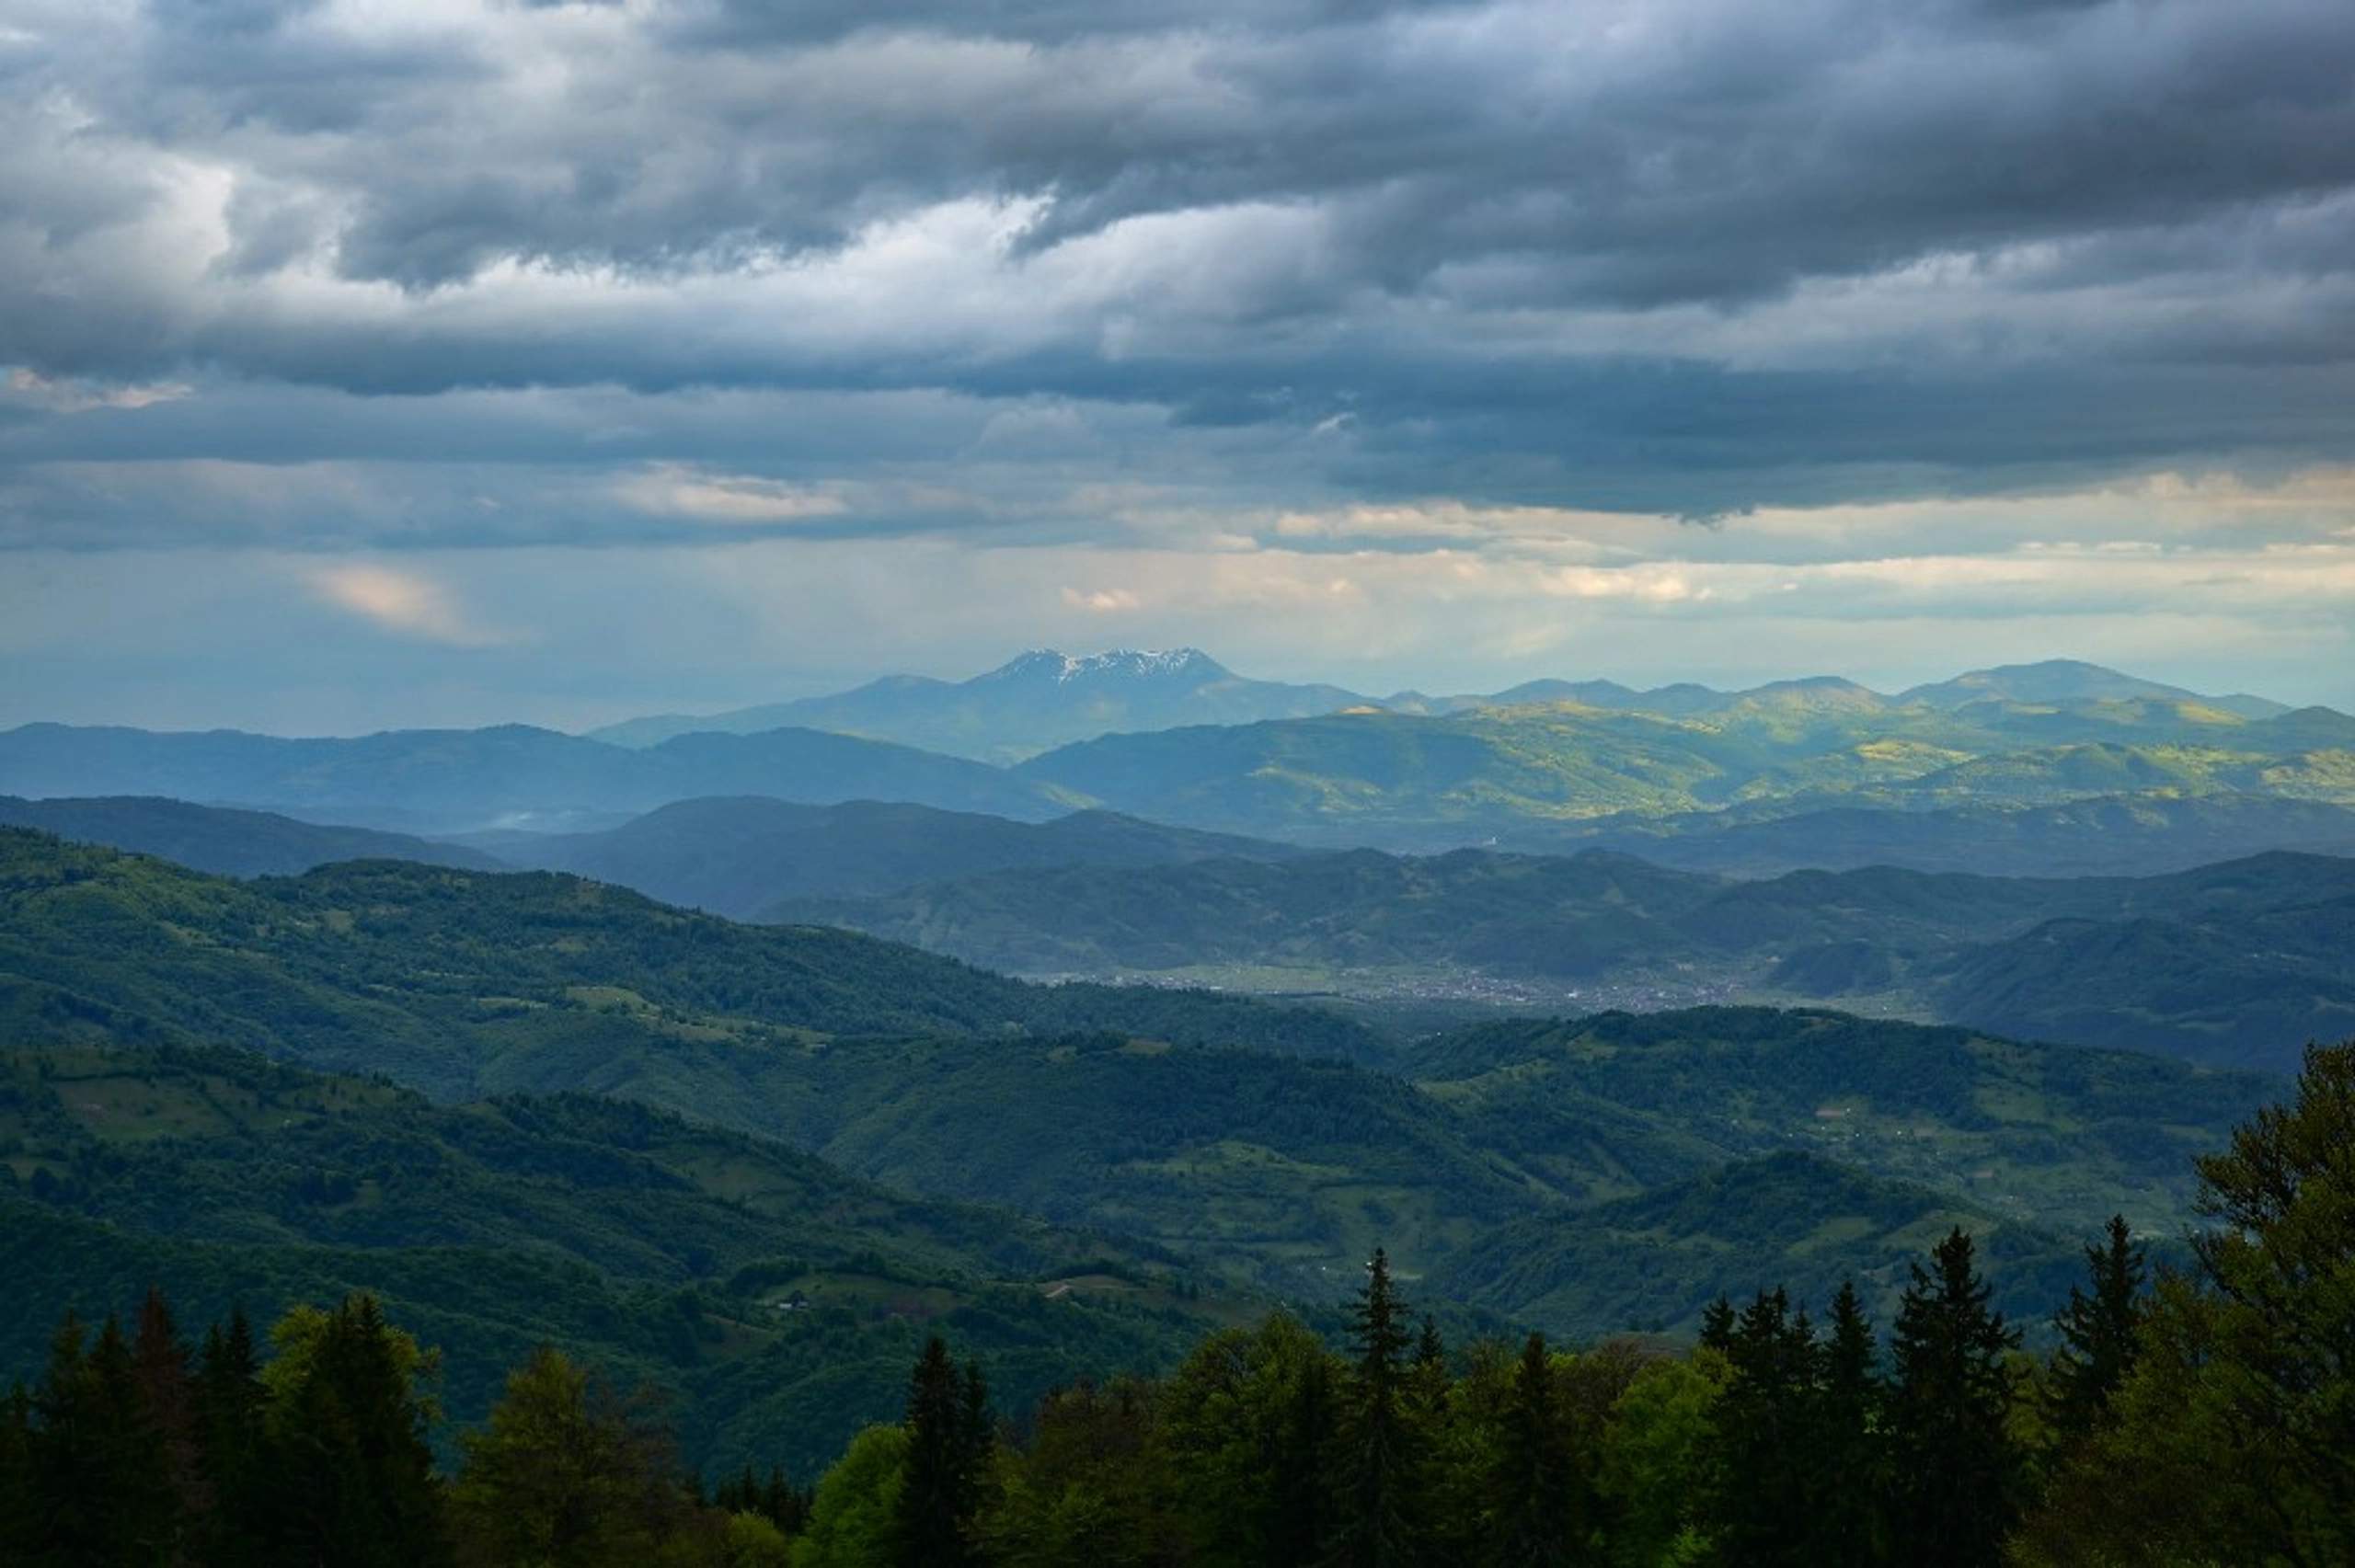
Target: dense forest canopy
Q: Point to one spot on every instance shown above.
(2202, 1421)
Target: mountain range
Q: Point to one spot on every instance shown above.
(755, 1164)
(459, 1016)
(1035, 702)
(1045, 699)
(1740, 780)
(449, 783)
(2071, 810)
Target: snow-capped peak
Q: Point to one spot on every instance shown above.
(1063, 667)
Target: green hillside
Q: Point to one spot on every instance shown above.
(2115, 835)
(1416, 780)
(733, 857)
(2228, 990)
(1227, 1138)
(2042, 1134)
(1356, 909)
(1655, 1260)
(463, 983)
(222, 840)
(777, 1297)
(2235, 964)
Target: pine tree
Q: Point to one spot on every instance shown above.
(226, 1403)
(1376, 1527)
(949, 1440)
(1956, 1469)
(1843, 1443)
(347, 1423)
(100, 1483)
(1536, 1510)
(1762, 1466)
(2097, 1335)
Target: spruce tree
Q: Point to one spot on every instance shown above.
(17, 1518)
(1956, 1469)
(162, 1362)
(950, 1439)
(347, 1423)
(102, 1485)
(1762, 1469)
(2097, 1335)
(226, 1402)
(2228, 1437)
(1843, 1443)
(1375, 1526)
(1300, 1501)
(1537, 1511)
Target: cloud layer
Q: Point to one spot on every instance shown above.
(1902, 300)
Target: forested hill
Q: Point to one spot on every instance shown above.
(2201, 1422)
(1224, 1131)
(462, 982)
(1153, 1162)
(223, 839)
(774, 1295)
(2236, 962)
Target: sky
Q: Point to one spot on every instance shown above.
(375, 363)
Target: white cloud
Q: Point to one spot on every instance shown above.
(1104, 600)
(79, 396)
(398, 600)
(671, 491)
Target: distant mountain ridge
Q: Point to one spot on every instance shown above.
(1425, 782)
(1044, 699)
(1040, 700)
(2072, 680)
(223, 840)
(1547, 765)
(446, 782)
(737, 856)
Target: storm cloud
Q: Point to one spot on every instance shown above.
(480, 275)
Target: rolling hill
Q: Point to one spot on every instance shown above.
(777, 1298)
(1235, 1136)
(2235, 964)
(223, 839)
(736, 856)
(446, 782)
(1417, 781)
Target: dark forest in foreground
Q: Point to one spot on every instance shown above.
(2204, 1420)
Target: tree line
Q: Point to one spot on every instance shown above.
(2206, 1418)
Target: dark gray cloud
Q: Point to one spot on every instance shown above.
(1680, 255)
